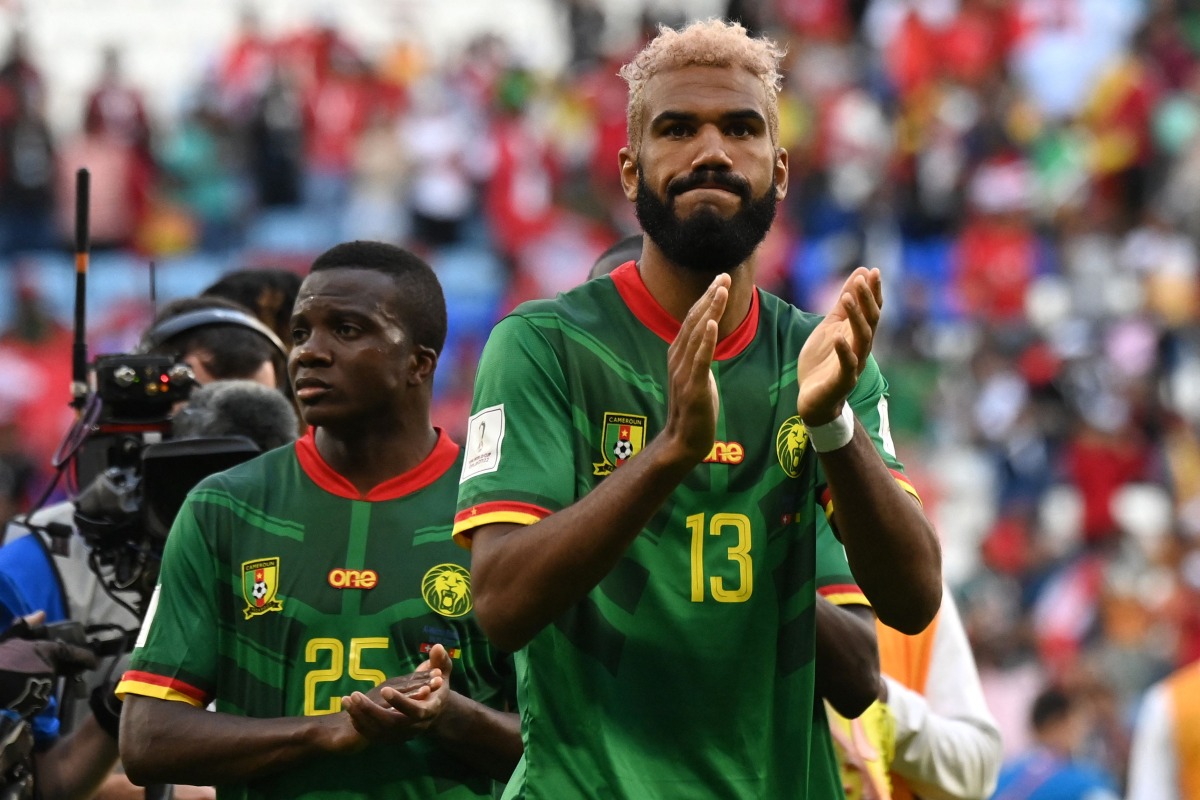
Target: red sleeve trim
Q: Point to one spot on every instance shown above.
(468, 519)
(147, 683)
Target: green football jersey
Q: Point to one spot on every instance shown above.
(688, 671)
(283, 589)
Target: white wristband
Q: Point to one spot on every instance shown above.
(835, 434)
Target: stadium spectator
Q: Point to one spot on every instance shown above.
(1051, 770)
(116, 108)
(28, 155)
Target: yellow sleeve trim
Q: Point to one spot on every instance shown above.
(848, 599)
(464, 527)
(125, 688)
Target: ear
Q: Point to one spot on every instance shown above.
(629, 173)
(421, 365)
(781, 173)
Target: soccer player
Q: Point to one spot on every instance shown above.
(648, 456)
(314, 592)
(846, 655)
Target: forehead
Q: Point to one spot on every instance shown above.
(704, 90)
(364, 290)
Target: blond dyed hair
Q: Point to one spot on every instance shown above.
(710, 43)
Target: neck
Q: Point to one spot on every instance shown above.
(677, 288)
(367, 458)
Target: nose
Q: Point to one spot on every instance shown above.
(710, 150)
(311, 351)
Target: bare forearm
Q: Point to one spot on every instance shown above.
(76, 767)
(163, 741)
(525, 577)
(847, 657)
(487, 739)
(890, 545)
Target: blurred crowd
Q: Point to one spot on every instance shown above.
(1026, 173)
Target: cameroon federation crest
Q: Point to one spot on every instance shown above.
(790, 442)
(447, 589)
(621, 437)
(260, 583)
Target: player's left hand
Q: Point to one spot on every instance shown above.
(836, 352)
(405, 707)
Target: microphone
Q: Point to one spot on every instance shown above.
(238, 408)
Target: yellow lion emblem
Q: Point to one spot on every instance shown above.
(447, 589)
(790, 443)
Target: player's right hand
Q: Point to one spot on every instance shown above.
(400, 708)
(692, 400)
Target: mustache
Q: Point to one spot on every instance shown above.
(726, 180)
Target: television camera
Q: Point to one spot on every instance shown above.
(132, 475)
(129, 474)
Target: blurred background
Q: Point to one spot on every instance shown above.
(1025, 173)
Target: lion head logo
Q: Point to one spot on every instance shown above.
(790, 443)
(447, 589)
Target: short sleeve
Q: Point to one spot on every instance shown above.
(835, 582)
(518, 463)
(175, 657)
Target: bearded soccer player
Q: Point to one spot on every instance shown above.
(663, 610)
(314, 594)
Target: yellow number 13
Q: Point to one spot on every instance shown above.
(739, 554)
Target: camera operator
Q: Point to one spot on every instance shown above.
(73, 574)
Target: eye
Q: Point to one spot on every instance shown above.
(299, 335)
(677, 130)
(347, 330)
(740, 129)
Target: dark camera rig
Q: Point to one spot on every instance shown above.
(127, 475)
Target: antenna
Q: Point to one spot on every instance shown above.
(153, 289)
(79, 382)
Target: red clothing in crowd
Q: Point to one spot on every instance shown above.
(994, 261)
(1099, 463)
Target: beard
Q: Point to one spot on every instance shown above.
(705, 243)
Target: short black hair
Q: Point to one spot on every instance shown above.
(625, 249)
(235, 351)
(248, 286)
(1052, 705)
(422, 304)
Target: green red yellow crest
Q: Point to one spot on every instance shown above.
(621, 437)
(260, 583)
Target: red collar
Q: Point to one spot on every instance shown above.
(648, 311)
(440, 459)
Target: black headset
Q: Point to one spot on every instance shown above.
(202, 318)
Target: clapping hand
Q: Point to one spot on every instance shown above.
(402, 708)
(836, 351)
